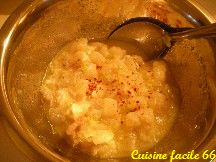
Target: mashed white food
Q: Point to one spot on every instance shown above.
(107, 102)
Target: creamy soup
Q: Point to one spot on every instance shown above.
(107, 102)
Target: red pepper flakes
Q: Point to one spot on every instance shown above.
(77, 129)
(159, 12)
(114, 81)
(135, 109)
(178, 23)
(121, 104)
(99, 81)
(98, 67)
(91, 87)
(118, 93)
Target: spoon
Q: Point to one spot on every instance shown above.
(156, 37)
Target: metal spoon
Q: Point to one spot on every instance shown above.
(156, 37)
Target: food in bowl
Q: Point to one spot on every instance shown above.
(107, 102)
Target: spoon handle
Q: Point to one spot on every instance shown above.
(203, 31)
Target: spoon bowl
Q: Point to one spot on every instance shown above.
(149, 37)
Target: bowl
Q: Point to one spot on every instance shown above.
(38, 29)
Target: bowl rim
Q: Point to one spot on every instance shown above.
(7, 32)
